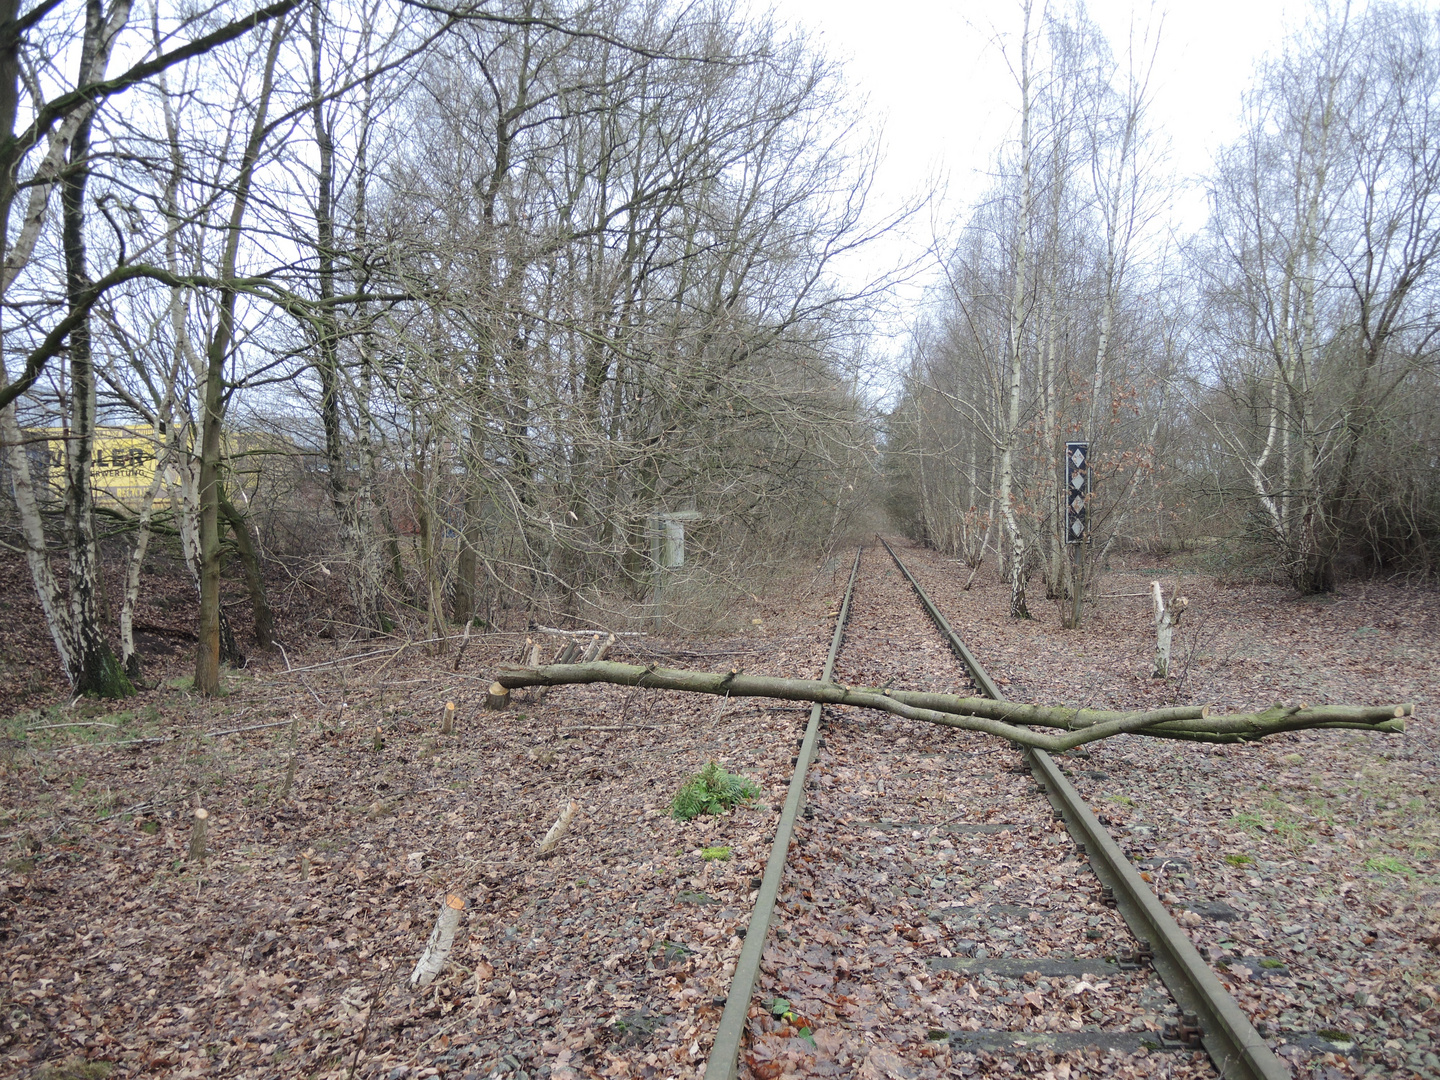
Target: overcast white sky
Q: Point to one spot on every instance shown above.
(935, 77)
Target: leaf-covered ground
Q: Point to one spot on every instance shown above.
(285, 952)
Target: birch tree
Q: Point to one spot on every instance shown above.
(56, 145)
(1322, 276)
(1017, 316)
(591, 284)
(1037, 335)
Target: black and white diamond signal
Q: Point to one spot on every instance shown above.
(1077, 490)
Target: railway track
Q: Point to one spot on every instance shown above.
(942, 904)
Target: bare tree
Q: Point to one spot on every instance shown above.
(1038, 334)
(56, 142)
(1321, 277)
(591, 286)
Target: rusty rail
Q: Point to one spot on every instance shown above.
(725, 1053)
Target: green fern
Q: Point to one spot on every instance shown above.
(712, 791)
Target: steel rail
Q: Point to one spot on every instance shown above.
(725, 1053)
(1235, 1047)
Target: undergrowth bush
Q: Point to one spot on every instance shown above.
(712, 791)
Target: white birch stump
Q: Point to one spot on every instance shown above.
(197, 834)
(604, 650)
(1166, 619)
(437, 949)
(558, 830)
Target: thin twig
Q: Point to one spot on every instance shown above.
(588, 633)
(364, 1030)
(454, 1024)
(357, 657)
(128, 810)
(306, 683)
(621, 727)
(396, 656)
(184, 797)
(52, 727)
(463, 642)
(343, 660)
(207, 734)
(242, 730)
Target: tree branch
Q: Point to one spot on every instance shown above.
(90, 95)
(1006, 719)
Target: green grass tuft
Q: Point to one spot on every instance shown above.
(1385, 864)
(75, 1068)
(1248, 820)
(711, 791)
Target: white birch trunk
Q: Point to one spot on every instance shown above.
(184, 477)
(99, 40)
(129, 659)
(32, 531)
(1018, 607)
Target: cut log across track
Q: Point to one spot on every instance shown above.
(1008, 720)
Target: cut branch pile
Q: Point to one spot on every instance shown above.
(1008, 720)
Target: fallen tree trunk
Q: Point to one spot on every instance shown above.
(1008, 720)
